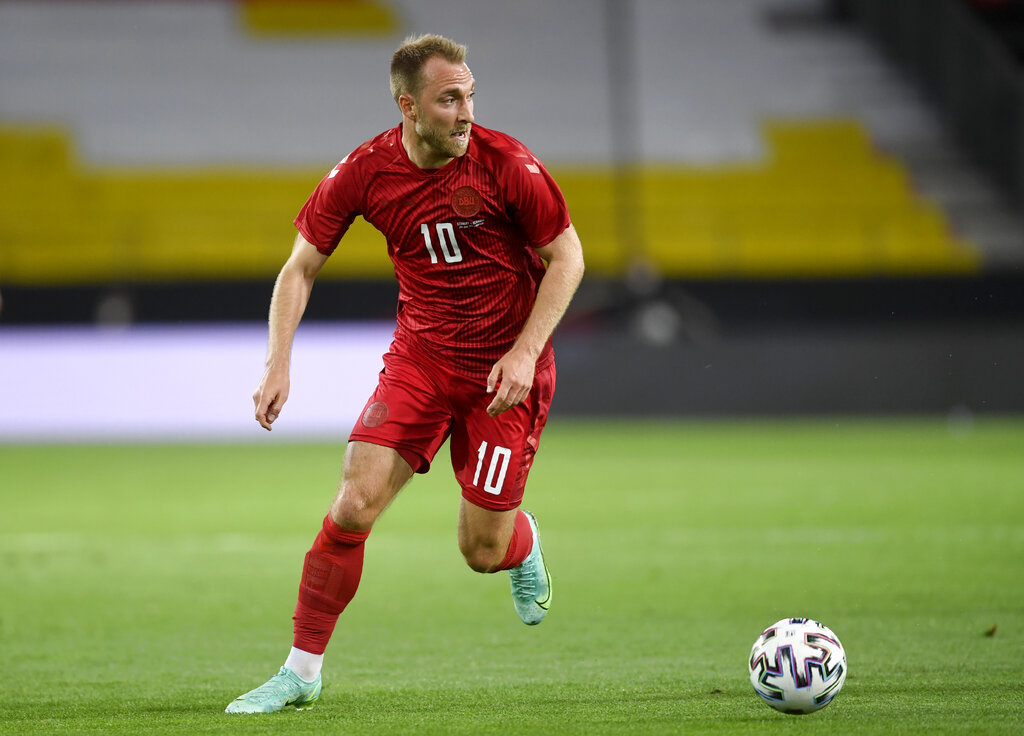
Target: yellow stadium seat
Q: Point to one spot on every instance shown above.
(823, 202)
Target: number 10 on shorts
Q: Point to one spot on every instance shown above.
(497, 469)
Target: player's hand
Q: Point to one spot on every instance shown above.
(270, 396)
(512, 378)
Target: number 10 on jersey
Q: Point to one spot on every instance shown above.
(496, 472)
(446, 237)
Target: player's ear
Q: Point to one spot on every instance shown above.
(408, 106)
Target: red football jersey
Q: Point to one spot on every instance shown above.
(462, 237)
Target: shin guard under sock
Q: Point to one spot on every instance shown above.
(330, 577)
(521, 544)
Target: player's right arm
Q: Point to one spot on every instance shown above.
(287, 305)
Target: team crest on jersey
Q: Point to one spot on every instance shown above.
(466, 201)
(375, 415)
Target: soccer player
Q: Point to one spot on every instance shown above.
(487, 262)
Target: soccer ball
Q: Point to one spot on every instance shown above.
(797, 666)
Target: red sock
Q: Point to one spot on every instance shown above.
(520, 545)
(330, 577)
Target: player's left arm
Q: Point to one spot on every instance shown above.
(514, 370)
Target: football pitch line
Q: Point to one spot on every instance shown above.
(142, 587)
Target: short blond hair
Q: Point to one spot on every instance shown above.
(408, 61)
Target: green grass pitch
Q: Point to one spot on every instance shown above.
(143, 587)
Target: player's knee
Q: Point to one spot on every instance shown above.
(354, 510)
(482, 557)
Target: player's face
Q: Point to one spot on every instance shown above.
(444, 111)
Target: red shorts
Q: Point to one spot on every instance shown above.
(419, 403)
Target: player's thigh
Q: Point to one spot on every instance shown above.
(372, 477)
(484, 534)
(492, 456)
(484, 527)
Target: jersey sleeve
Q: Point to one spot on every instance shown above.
(535, 200)
(331, 208)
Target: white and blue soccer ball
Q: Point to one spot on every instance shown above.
(797, 665)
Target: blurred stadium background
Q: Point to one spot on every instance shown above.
(787, 206)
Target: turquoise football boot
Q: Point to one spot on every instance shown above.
(283, 689)
(531, 582)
